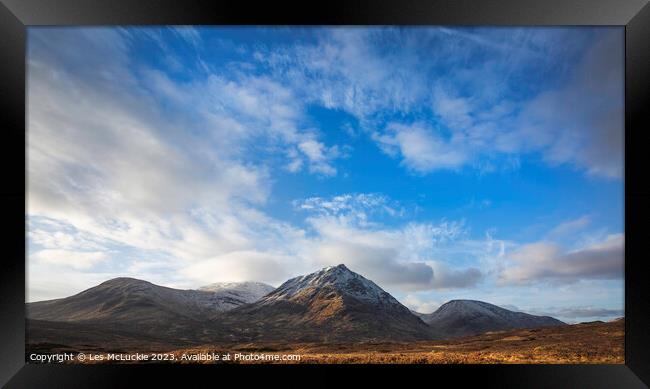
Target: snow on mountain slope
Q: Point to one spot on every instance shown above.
(340, 278)
(469, 317)
(239, 292)
(332, 304)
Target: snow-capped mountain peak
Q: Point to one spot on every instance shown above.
(341, 303)
(338, 277)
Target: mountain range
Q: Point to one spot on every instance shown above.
(332, 305)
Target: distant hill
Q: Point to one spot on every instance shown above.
(471, 317)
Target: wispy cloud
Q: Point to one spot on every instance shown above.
(570, 227)
(190, 34)
(489, 107)
(242, 112)
(168, 171)
(357, 204)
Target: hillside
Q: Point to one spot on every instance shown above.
(469, 317)
(333, 304)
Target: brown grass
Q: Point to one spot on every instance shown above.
(588, 343)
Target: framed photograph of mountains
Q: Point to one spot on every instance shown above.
(403, 190)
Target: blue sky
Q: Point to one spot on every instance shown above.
(442, 163)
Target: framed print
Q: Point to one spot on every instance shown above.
(386, 189)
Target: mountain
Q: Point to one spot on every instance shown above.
(137, 309)
(124, 298)
(124, 312)
(331, 305)
(470, 317)
(235, 294)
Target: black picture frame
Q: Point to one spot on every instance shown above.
(16, 15)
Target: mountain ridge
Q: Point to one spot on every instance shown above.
(333, 304)
(115, 296)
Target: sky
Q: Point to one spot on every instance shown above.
(441, 163)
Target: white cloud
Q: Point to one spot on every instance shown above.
(446, 277)
(190, 34)
(106, 162)
(295, 163)
(99, 148)
(582, 124)
(59, 236)
(246, 265)
(248, 111)
(49, 281)
(421, 305)
(380, 263)
(454, 111)
(358, 205)
(579, 123)
(543, 261)
(346, 70)
(319, 156)
(74, 259)
(570, 227)
(421, 148)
